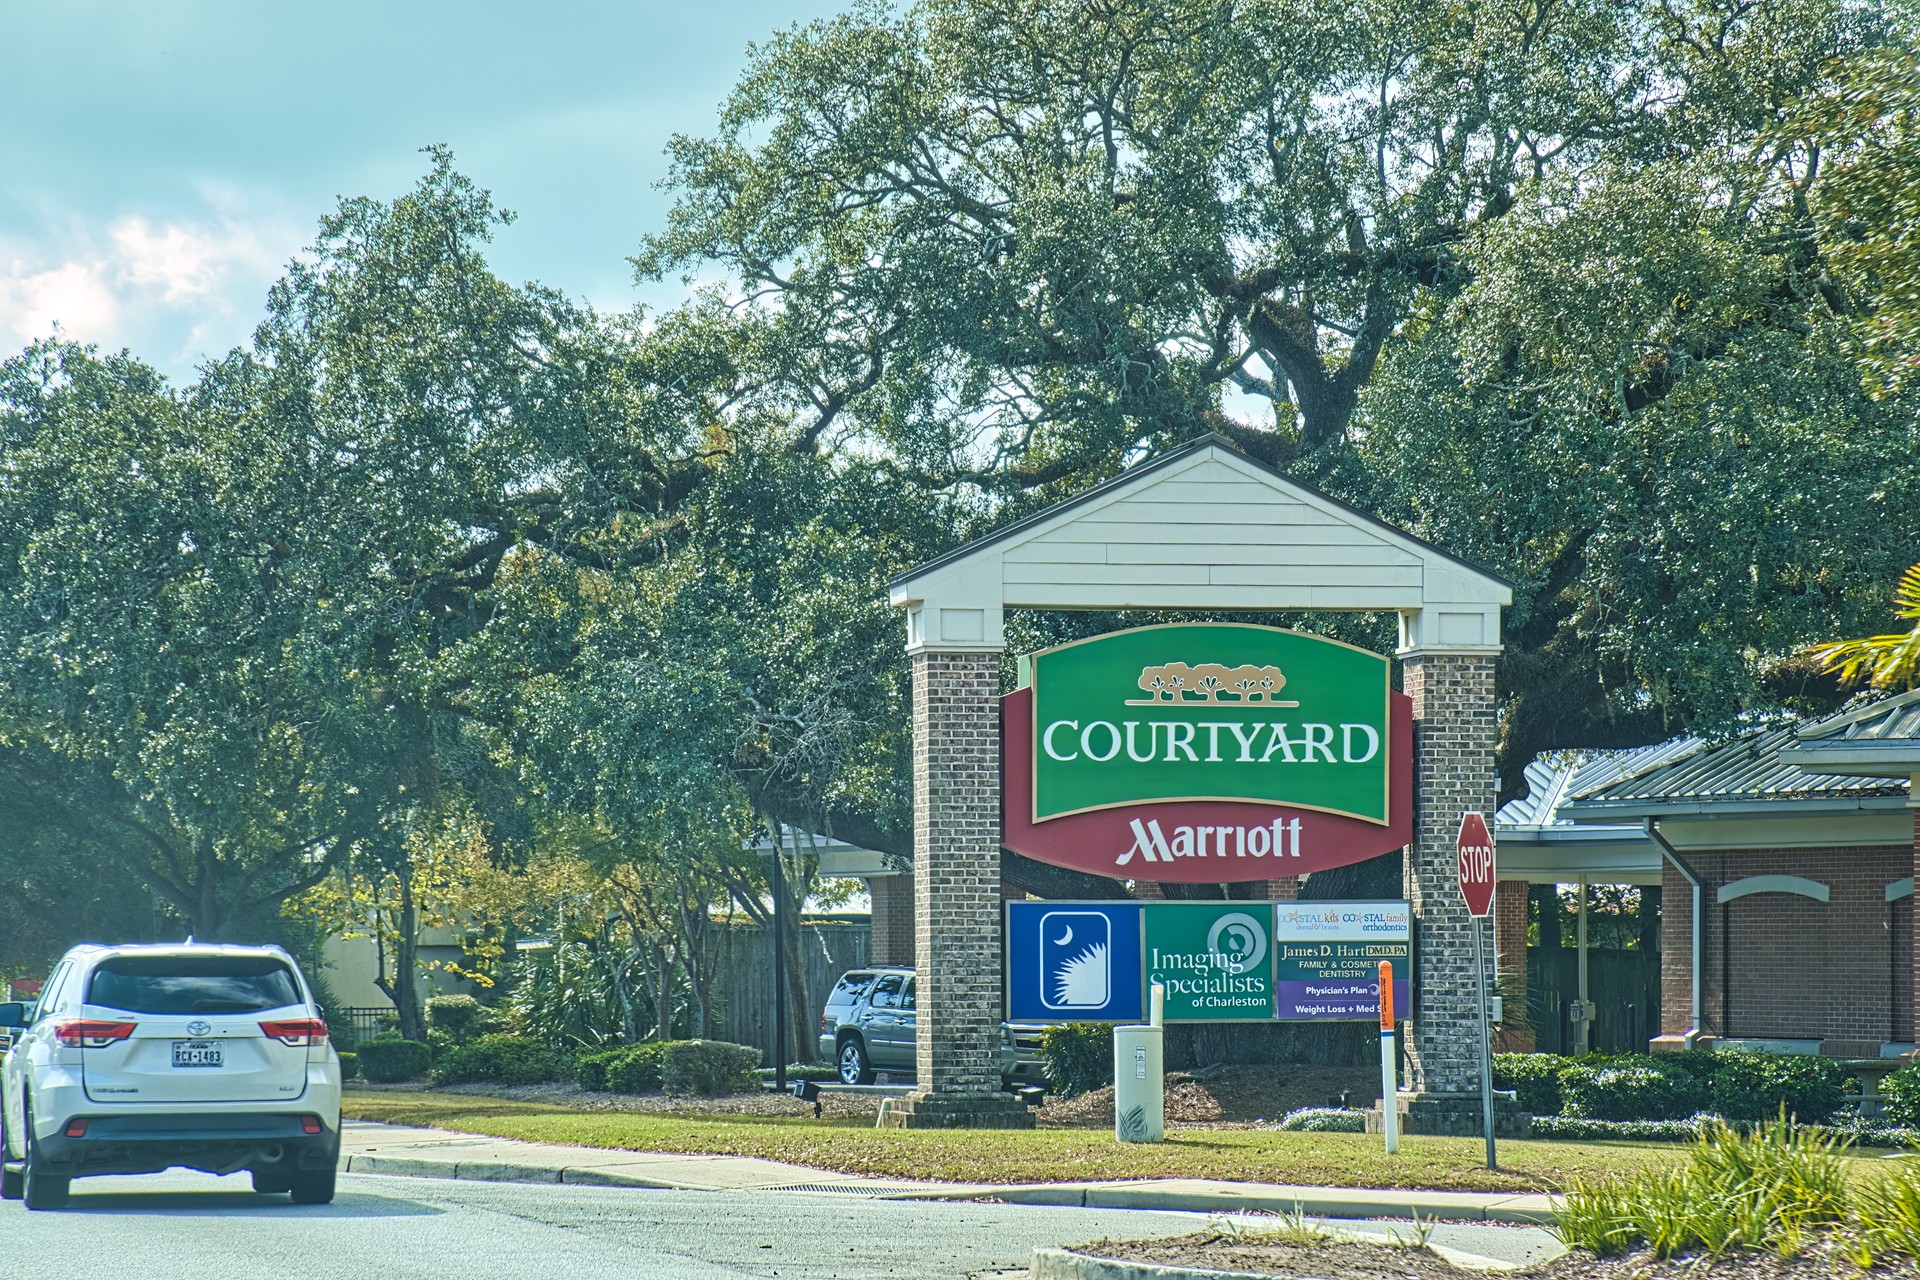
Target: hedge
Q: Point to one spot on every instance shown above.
(1735, 1084)
(1324, 1120)
(349, 1065)
(1079, 1056)
(389, 1061)
(502, 1059)
(708, 1068)
(1901, 1091)
(461, 1018)
(633, 1068)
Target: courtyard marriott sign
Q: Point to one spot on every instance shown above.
(1206, 752)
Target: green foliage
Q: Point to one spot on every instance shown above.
(1324, 1120)
(1534, 1079)
(1771, 1189)
(708, 1068)
(349, 1066)
(628, 1069)
(1079, 1056)
(1756, 1086)
(1886, 1215)
(1629, 1087)
(460, 1018)
(390, 1061)
(502, 1059)
(1901, 1091)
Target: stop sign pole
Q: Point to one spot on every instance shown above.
(1474, 852)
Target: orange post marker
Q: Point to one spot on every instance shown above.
(1389, 1087)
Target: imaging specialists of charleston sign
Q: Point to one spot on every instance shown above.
(1206, 752)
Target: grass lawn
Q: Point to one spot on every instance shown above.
(1044, 1155)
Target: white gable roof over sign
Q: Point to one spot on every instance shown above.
(1202, 527)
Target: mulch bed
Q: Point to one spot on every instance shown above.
(1228, 1251)
(1349, 1260)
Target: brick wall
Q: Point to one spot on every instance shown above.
(892, 919)
(1515, 1033)
(1779, 964)
(956, 875)
(1453, 717)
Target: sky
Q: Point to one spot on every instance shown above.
(161, 160)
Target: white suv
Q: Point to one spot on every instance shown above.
(143, 1058)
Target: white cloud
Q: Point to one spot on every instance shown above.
(171, 288)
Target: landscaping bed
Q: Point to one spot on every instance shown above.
(1284, 1255)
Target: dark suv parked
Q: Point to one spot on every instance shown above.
(870, 1025)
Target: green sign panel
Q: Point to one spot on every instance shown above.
(1214, 958)
(1210, 711)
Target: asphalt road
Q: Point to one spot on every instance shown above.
(185, 1225)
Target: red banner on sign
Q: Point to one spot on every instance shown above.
(1475, 856)
(1197, 841)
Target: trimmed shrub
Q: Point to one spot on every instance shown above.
(637, 1068)
(1901, 1091)
(1079, 1056)
(389, 1061)
(349, 1065)
(590, 1070)
(1755, 1086)
(708, 1068)
(1534, 1079)
(502, 1059)
(1324, 1120)
(461, 1018)
(1627, 1087)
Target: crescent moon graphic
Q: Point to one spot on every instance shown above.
(1061, 942)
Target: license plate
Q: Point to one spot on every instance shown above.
(196, 1053)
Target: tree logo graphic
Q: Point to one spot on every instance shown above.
(1173, 683)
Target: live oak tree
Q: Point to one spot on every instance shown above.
(1542, 281)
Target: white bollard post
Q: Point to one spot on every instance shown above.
(1389, 1085)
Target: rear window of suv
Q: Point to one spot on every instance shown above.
(848, 989)
(193, 984)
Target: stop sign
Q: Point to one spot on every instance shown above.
(1475, 849)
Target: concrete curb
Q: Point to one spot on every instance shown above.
(1064, 1264)
(1313, 1202)
(496, 1171)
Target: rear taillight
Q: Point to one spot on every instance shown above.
(77, 1128)
(310, 1124)
(92, 1035)
(825, 1024)
(299, 1032)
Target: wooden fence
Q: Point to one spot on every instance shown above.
(1623, 985)
(743, 985)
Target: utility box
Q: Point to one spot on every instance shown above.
(1139, 1085)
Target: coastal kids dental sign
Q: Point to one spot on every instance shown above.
(1206, 752)
(1219, 961)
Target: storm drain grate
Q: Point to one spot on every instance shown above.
(850, 1188)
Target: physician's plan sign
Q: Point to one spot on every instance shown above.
(1206, 752)
(1327, 958)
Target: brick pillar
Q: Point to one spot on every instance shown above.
(1515, 1032)
(1285, 889)
(892, 920)
(956, 895)
(1453, 734)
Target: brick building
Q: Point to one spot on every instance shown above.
(1786, 861)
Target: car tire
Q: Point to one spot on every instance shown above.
(314, 1186)
(38, 1187)
(268, 1182)
(852, 1062)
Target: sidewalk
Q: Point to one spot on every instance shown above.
(439, 1153)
